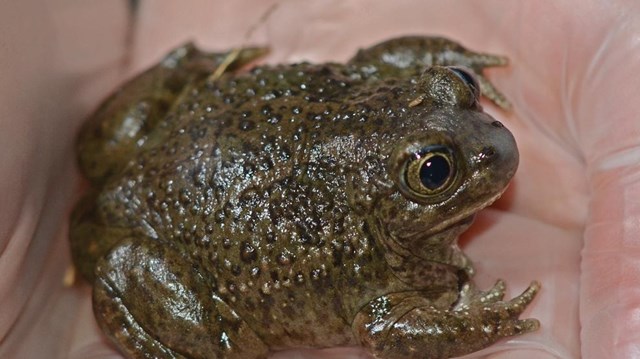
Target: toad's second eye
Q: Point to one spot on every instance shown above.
(468, 79)
(430, 171)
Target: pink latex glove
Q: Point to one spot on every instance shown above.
(571, 219)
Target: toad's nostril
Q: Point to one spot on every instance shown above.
(488, 152)
(497, 124)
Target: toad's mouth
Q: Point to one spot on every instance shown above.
(456, 224)
(453, 229)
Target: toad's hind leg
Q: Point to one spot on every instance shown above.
(153, 305)
(121, 125)
(411, 55)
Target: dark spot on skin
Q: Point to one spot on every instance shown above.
(284, 259)
(315, 274)
(250, 304)
(248, 253)
(236, 270)
(197, 133)
(266, 165)
(274, 276)
(185, 196)
(247, 125)
(337, 255)
(266, 110)
(284, 153)
(310, 98)
(274, 119)
(219, 217)
(276, 93)
(325, 71)
(231, 286)
(305, 238)
(270, 237)
(349, 251)
(497, 124)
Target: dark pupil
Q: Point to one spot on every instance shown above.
(434, 172)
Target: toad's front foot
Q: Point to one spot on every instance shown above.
(402, 326)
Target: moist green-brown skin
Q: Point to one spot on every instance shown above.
(305, 205)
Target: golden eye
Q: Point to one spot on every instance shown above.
(430, 171)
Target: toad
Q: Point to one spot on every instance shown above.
(236, 212)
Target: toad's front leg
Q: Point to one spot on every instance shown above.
(401, 325)
(153, 305)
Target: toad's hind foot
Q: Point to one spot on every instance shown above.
(410, 55)
(492, 93)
